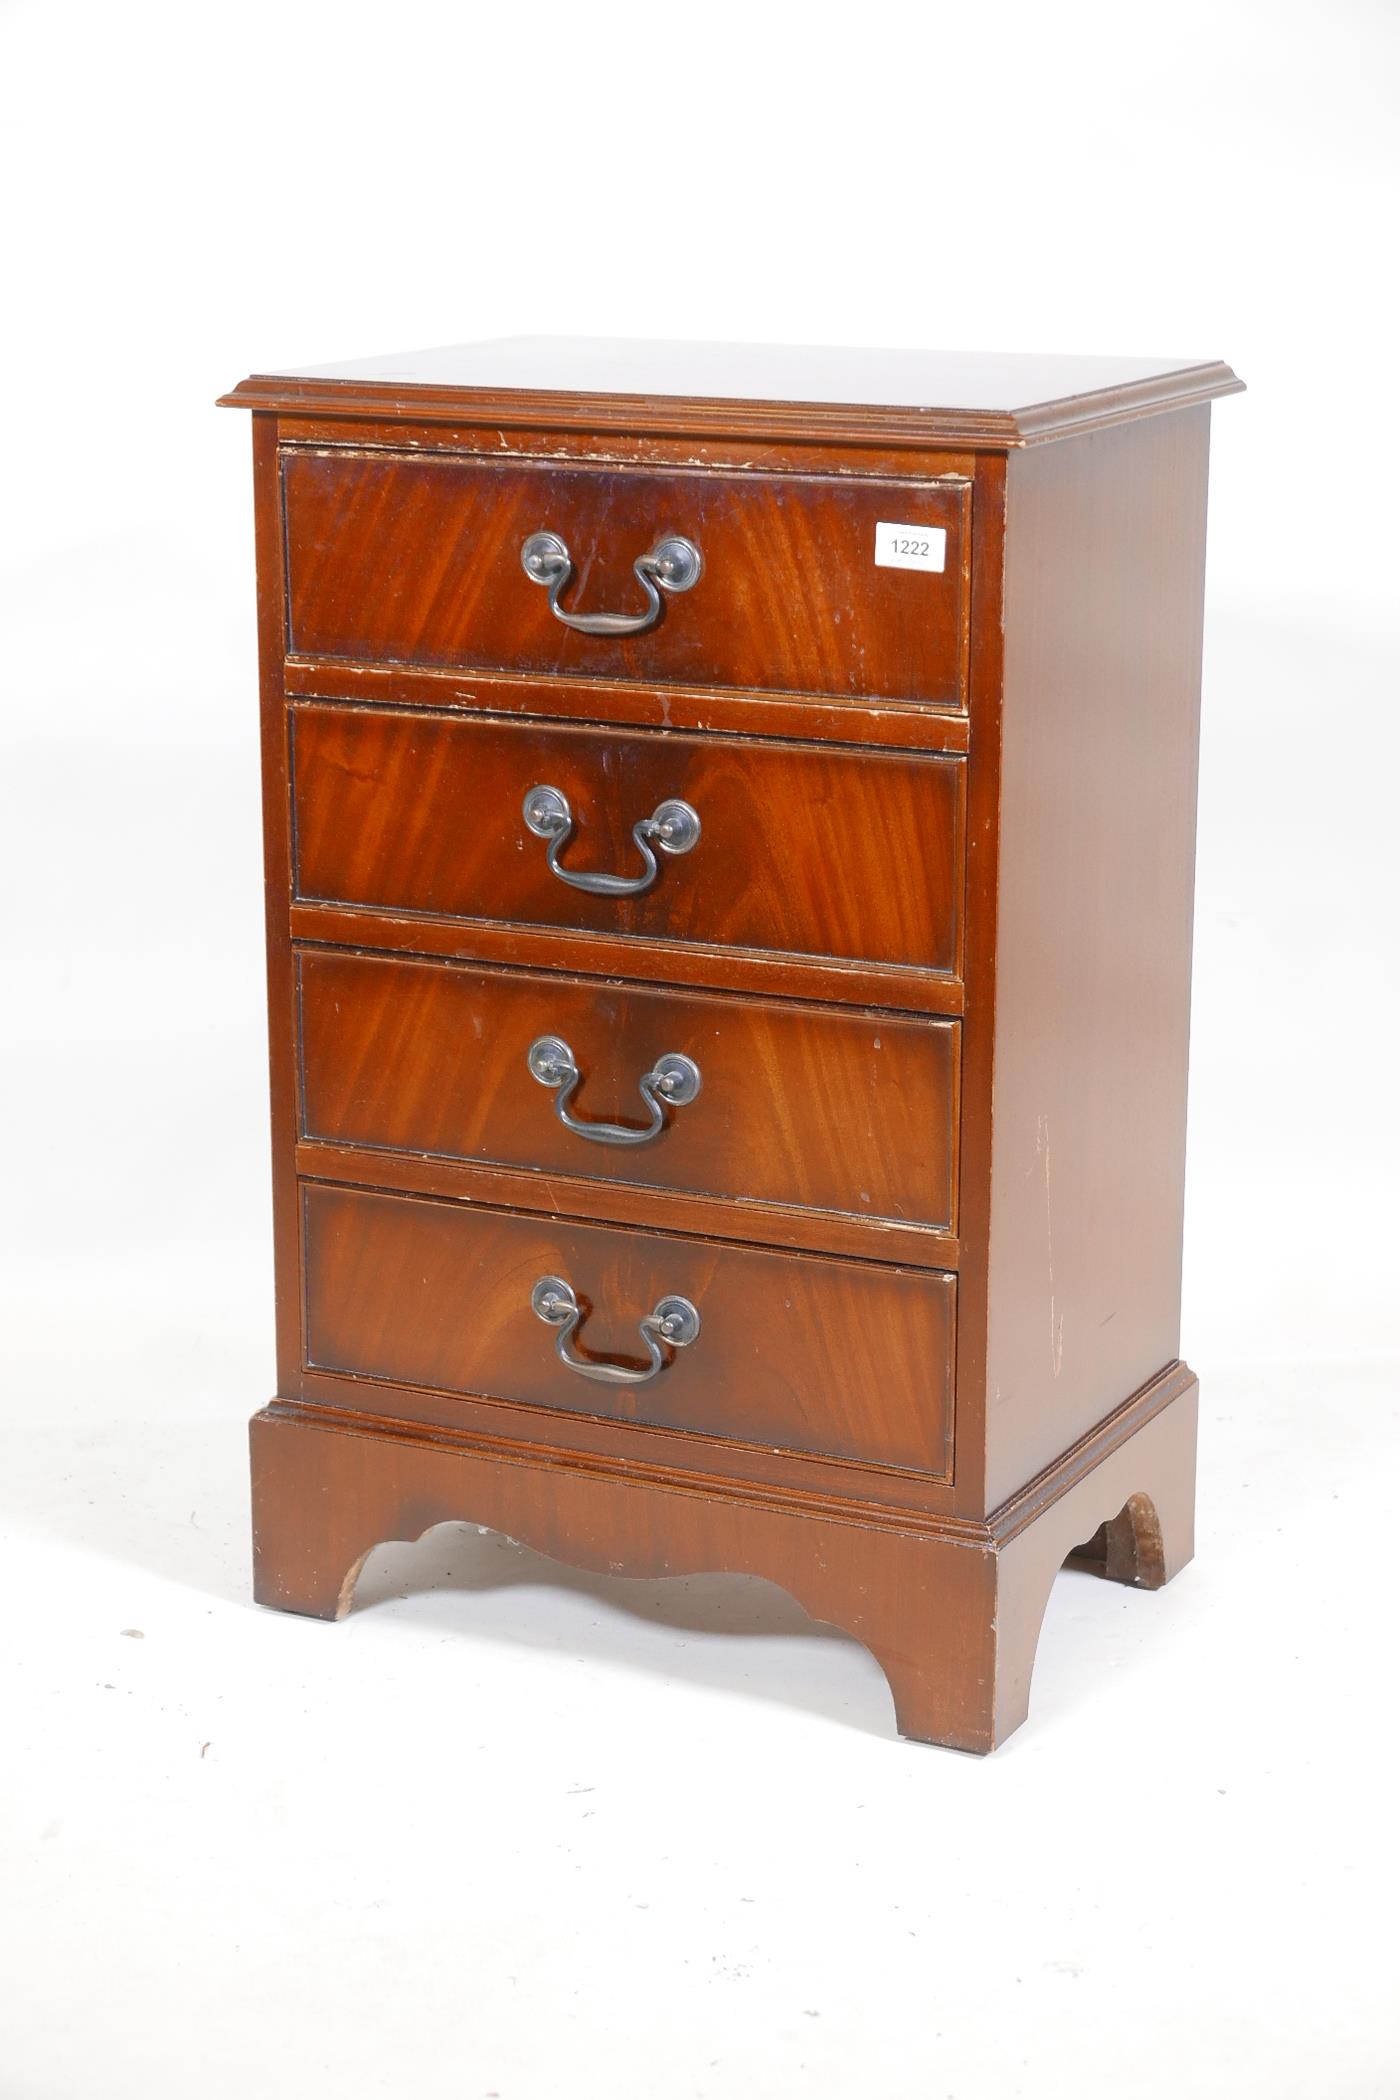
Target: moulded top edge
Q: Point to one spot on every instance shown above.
(900, 396)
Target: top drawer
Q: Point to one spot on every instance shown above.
(408, 559)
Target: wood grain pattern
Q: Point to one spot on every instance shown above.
(277, 893)
(794, 718)
(1104, 582)
(742, 455)
(979, 1033)
(755, 1220)
(832, 1110)
(823, 979)
(802, 849)
(416, 559)
(847, 1359)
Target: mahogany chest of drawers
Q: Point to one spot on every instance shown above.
(729, 837)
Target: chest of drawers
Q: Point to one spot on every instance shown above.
(729, 837)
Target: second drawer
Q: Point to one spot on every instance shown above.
(827, 1109)
(781, 849)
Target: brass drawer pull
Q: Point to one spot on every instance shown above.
(674, 826)
(672, 1081)
(673, 1323)
(673, 565)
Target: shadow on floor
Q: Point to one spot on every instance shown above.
(735, 1633)
(170, 1499)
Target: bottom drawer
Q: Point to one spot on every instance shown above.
(796, 1352)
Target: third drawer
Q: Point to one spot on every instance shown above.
(829, 1109)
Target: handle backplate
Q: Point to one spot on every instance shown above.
(673, 564)
(672, 1082)
(673, 1323)
(673, 827)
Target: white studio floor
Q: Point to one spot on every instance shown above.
(511, 1830)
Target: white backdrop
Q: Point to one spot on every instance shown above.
(194, 193)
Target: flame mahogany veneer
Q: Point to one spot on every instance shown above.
(929, 955)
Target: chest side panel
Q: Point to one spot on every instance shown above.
(1104, 577)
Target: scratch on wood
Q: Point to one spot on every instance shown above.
(1057, 1323)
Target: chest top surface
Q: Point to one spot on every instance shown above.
(922, 396)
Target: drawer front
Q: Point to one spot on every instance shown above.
(826, 1109)
(417, 559)
(801, 850)
(794, 1352)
